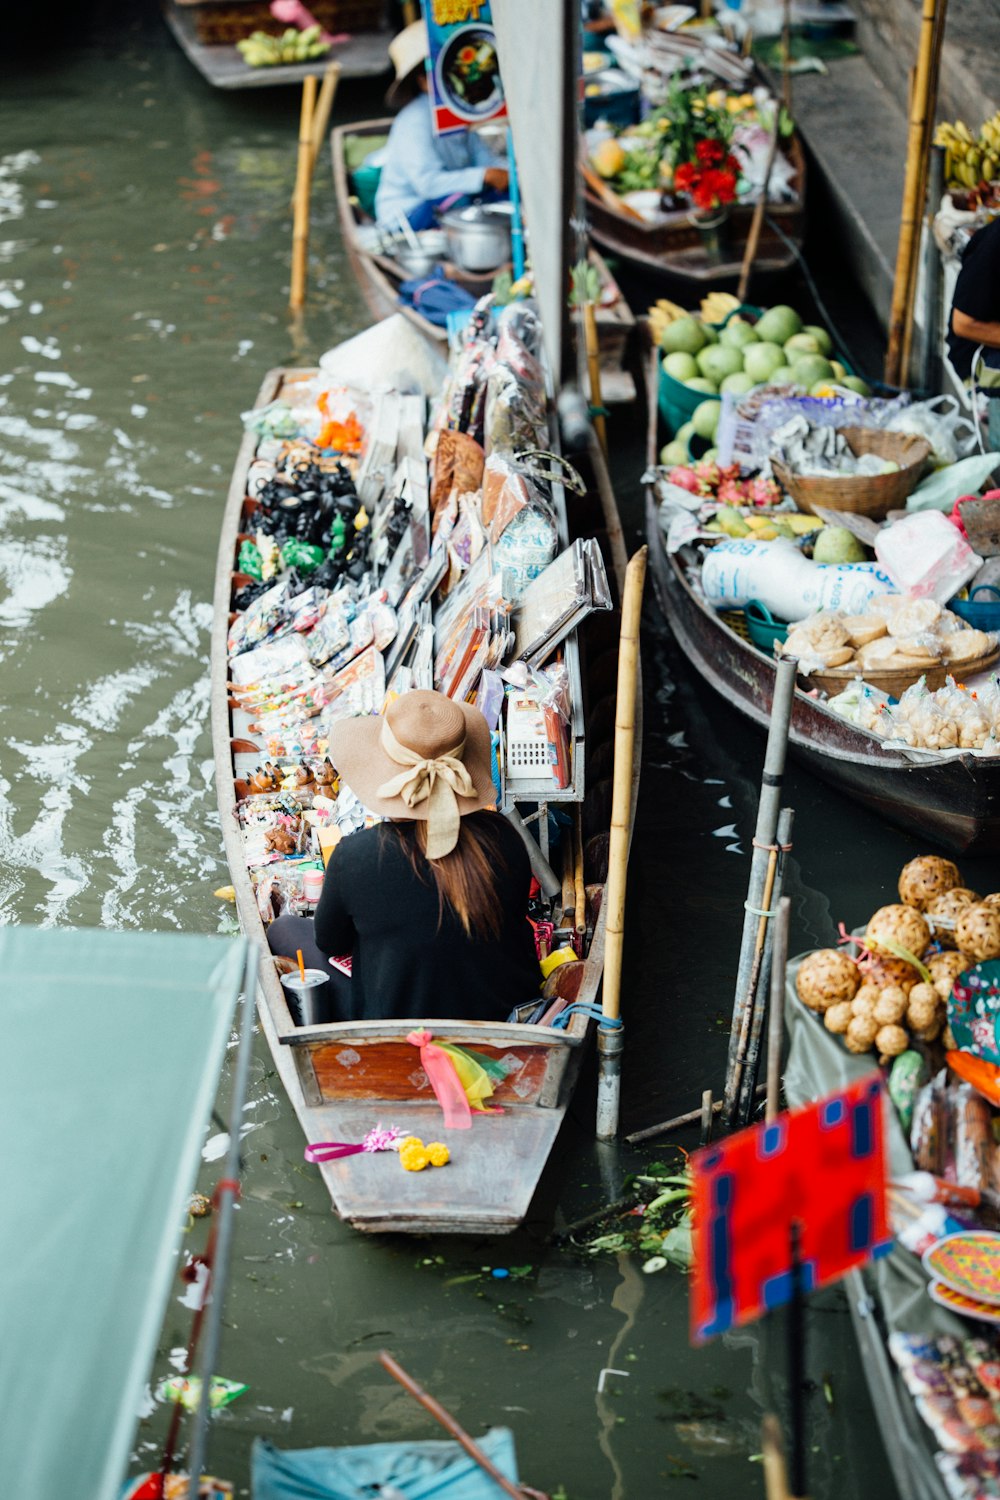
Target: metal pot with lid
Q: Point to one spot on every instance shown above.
(478, 236)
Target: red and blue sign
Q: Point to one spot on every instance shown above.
(822, 1167)
(464, 71)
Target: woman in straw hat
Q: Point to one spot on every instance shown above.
(432, 904)
(423, 172)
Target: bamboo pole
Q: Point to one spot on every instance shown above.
(303, 180)
(321, 117)
(764, 836)
(930, 115)
(749, 1056)
(760, 208)
(707, 1116)
(666, 1126)
(579, 888)
(775, 1473)
(786, 57)
(609, 1034)
(776, 1014)
(448, 1422)
(568, 881)
(594, 371)
(911, 211)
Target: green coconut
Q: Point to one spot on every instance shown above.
(716, 361)
(779, 324)
(738, 333)
(739, 383)
(683, 336)
(706, 418)
(680, 366)
(762, 359)
(821, 336)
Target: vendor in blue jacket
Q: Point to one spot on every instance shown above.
(423, 172)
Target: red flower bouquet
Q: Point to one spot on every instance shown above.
(710, 179)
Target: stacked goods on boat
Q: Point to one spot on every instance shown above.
(831, 525)
(921, 994)
(361, 574)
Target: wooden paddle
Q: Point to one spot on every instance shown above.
(607, 195)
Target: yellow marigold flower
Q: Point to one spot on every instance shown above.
(414, 1158)
(438, 1154)
(410, 1140)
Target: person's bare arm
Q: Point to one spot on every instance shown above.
(965, 327)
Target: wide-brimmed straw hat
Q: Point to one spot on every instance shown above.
(408, 51)
(427, 758)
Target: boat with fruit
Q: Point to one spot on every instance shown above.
(952, 799)
(383, 262)
(696, 234)
(210, 32)
(347, 1078)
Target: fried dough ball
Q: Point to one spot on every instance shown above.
(902, 926)
(838, 1017)
(884, 971)
(891, 1041)
(863, 1003)
(977, 932)
(922, 1007)
(825, 977)
(861, 1033)
(992, 901)
(890, 1005)
(945, 969)
(926, 877)
(949, 905)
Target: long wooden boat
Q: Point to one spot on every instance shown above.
(674, 248)
(345, 1078)
(380, 277)
(953, 801)
(364, 55)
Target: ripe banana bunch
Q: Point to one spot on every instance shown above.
(262, 50)
(969, 162)
(663, 312)
(716, 306)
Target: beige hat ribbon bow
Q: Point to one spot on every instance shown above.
(442, 779)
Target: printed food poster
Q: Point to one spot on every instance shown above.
(464, 70)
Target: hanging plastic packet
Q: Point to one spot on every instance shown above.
(259, 621)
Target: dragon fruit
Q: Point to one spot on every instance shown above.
(731, 492)
(686, 478)
(762, 492)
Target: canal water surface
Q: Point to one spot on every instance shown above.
(144, 253)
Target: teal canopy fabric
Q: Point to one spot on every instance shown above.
(433, 1470)
(113, 1044)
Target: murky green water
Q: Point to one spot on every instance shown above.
(144, 249)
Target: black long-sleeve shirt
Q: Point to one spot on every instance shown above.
(377, 908)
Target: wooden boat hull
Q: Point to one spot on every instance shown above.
(364, 55)
(343, 1079)
(954, 803)
(379, 281)
(674, 248)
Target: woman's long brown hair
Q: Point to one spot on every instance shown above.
(465, 878)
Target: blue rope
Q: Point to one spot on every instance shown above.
(585, 1008)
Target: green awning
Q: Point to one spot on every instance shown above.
(113, 1043)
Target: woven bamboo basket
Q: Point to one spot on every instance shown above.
(869, 495)
(836, 679)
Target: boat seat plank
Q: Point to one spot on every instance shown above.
(486, 1187)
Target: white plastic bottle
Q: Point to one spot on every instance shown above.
(788, 584)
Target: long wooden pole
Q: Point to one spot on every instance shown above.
(776, 1013)
(760, 208)
(303, 181)
(594, 371)
(911, 210)
(757, 1009)
(609, 1034)
(930, 115)
(448, 1422)
(321, 117)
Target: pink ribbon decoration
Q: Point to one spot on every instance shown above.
(294, 13)
(444, 1081)
(377, 1139)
